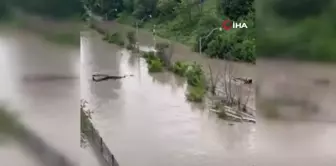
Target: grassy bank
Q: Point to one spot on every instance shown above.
(186, 23)
(301, 33)
(198, 83)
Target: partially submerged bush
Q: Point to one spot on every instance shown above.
(148, 55)
(115, 38)
(180, 68)
(154, 63)
(195, 75)
(195, 93)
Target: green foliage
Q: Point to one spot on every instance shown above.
(195, 93)
(148, 55)
(195, 75)
(114, 38)
(245, 50)
(195, 79)
(298, 10)
(186, 21)
(144, 8)
(129, 5)
(180, 68)
(154, 63)
(4, 9)
(297, 37)
(106, 8)
(166, 9)
(235, 9)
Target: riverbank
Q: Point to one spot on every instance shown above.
(187, 23)
(147, 115)
(205, 82)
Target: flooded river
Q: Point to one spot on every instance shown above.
(39, 81)
(146, 121)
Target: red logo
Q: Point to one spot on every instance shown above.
(227, 24)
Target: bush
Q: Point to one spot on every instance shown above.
(236, 9)
(298, 10)
(195, 93)
(115, 38)
(245, 51)
(148, 55)
(195, 75)
(180, 68)
(154, 63)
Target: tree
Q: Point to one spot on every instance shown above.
(145, 8)
(166, 8)
(235, 9)
(298, 10)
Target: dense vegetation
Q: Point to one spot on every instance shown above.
(192, 72)
(297, 29)
(187, 21)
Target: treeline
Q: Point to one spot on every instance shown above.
(56, 9)
(188, 20)
(304, 30)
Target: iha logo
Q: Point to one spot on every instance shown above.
(228, 24)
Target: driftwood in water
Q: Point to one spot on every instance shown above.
(104, 77)
(245, 80)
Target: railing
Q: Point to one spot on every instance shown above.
(96, 140)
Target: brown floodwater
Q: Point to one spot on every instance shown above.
(40, 82)
(146, 121)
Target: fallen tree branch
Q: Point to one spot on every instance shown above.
(105, 77)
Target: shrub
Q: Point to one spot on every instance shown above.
(115, 38)
(195, 75)
(195, 93)
(155, 64)
(180, 68)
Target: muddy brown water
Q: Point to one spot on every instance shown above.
(40, 82)
(146, 121)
